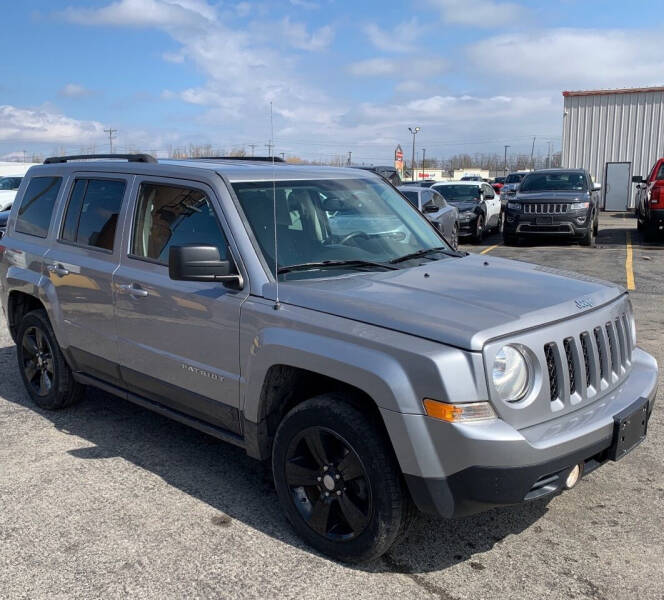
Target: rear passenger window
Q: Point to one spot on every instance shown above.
(173, 216)
(92, 213)
(34, 214)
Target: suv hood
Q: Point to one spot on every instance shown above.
(553, 196)
(463, 206)
(463, 302)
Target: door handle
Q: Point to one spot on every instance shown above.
(58, 270)
(132, 290)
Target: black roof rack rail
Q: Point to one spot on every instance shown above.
(276, 159)
(142, 158)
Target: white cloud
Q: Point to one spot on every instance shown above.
(478, 13)
(400, 39)
(30, 125)
(297, 36)
(408, 68)
(573, 58)
(74, 90)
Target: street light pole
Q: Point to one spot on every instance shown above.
(506, 147)
(414, 132)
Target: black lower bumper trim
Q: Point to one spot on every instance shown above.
(476, 489)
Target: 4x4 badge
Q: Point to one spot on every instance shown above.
(584, 302)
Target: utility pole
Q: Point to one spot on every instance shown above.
(269, 147)
(110, 137)
(424, 152)
(24, 160)
(348, 162)
(506, 147)
(548, 164)
(283, 155)
(414, 132)
(532, 153)
(252, 146)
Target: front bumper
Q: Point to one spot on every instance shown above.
(568, 224)
(467, 227)
(459, 469)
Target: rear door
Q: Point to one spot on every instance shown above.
(80, 265)
(178, 340)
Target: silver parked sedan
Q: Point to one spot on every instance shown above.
(435, 208)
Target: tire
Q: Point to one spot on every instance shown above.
(639, 224)
(589, 238)
(478, 236)
(650, 232)
(596, 227)
(45, 373)
(338, 481)
(501, 223)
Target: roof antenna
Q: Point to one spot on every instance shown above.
(277, 305)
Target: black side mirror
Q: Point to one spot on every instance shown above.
(201, 263)
(637, 179)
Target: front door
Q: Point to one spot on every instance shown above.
(617, 183)
(178, 340)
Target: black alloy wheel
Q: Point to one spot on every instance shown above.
(329, 484)
(338, 480)
(46, 375)
(37, 361)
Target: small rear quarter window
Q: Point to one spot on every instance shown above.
(36, 209)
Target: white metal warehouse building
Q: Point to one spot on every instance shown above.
(614, 134)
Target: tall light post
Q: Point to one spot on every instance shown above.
(506, 147)
(414, 132)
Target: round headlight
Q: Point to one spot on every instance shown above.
(510, 374)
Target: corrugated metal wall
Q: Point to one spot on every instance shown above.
(601, 128)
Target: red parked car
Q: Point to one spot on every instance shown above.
(650, 201)
(497, 184)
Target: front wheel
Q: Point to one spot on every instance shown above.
(338, 481)
(589, 238)
(45, 373)
(478, 236)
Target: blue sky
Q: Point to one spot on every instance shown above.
(342, 76)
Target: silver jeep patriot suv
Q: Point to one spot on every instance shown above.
(315, 318)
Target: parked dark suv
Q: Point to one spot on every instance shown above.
(562, 202)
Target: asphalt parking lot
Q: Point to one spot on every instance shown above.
(109, 500)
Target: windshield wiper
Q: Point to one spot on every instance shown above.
(334, 263)
(419, 253)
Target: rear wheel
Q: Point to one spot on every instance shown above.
(338, 481)
(46, 375)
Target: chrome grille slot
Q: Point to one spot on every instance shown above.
(586, 349)
(601, 349)
(552, 368)
(628, 337)
(571, 366)
(613, 348)
(622, 341)
(545, 208)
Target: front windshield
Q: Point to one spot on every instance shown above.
(515, 177)
(10, 183)
(334, 220)
(544, 182)
(459, 193)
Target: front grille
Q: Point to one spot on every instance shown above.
(545, 208)
(603, 362)
(552, 368)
